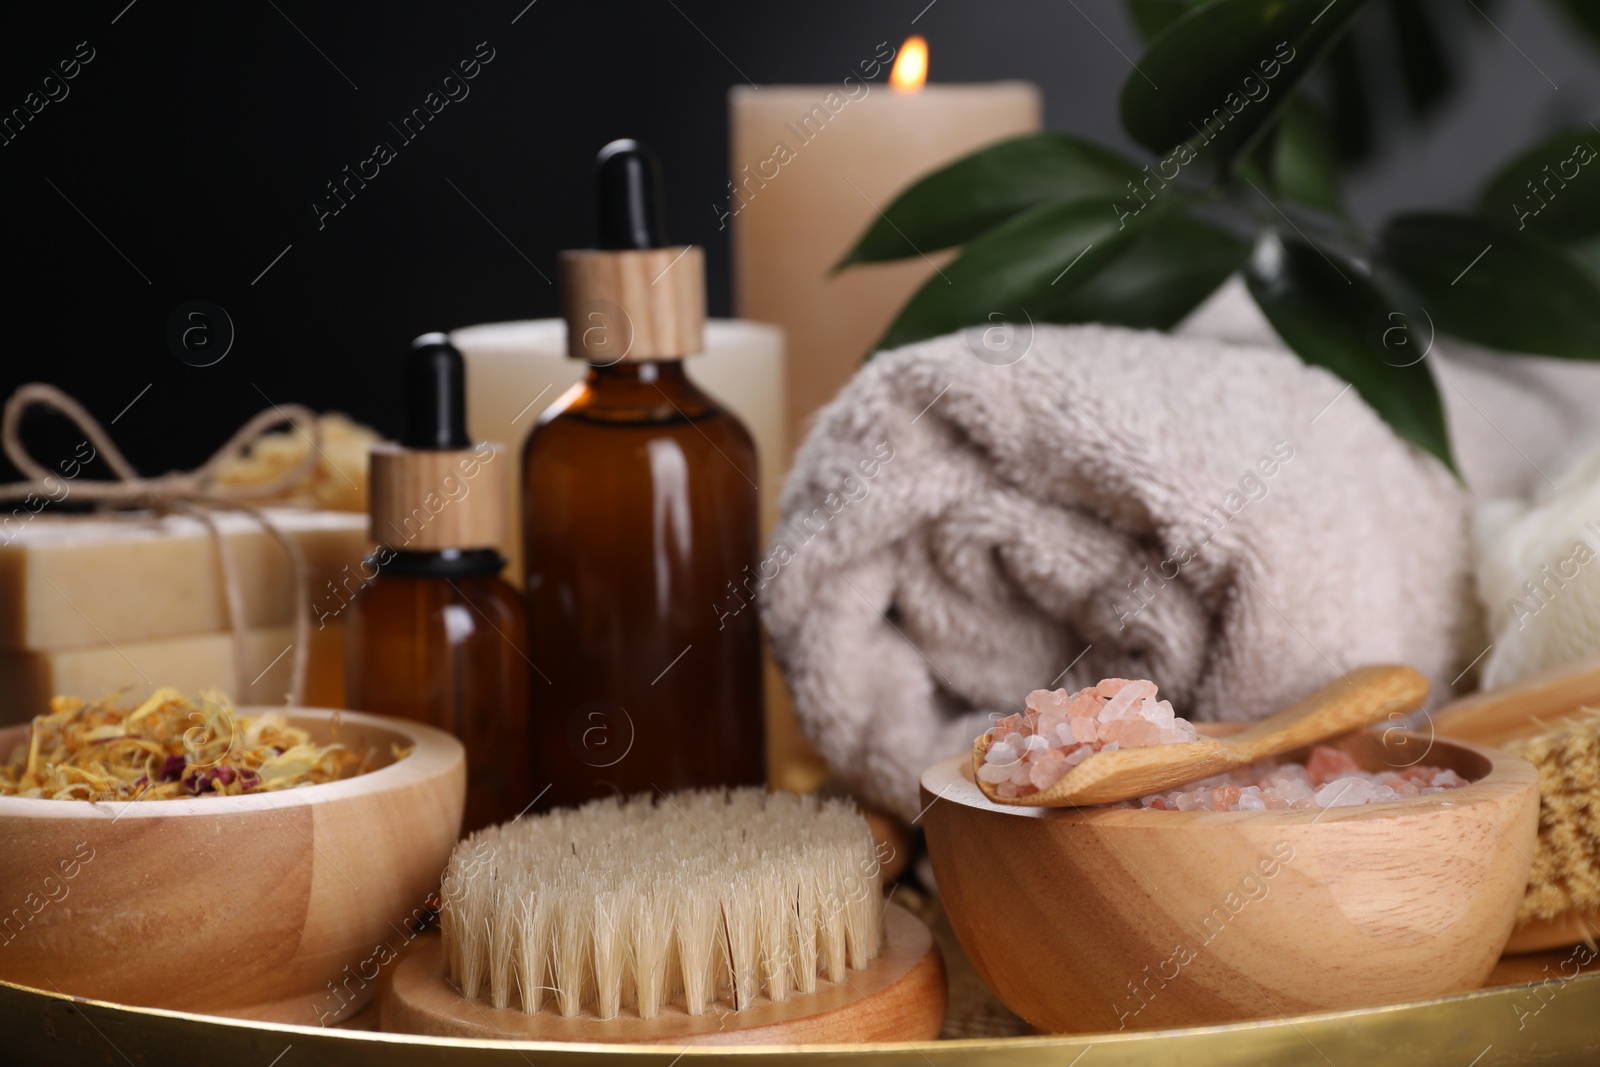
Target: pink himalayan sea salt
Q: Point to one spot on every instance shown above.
(1031, 752)
(1328, 779)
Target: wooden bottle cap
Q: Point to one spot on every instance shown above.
(637, 303)
(425, 500)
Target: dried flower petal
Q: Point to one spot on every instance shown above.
(166, 747)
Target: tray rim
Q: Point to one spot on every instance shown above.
(376, 1038)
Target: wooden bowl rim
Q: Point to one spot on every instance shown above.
(948, 780)
(435, 753)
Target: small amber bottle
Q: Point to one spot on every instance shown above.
(438, 636)
(639, 507)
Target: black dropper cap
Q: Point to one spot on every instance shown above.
(436, 395)
(628, 190)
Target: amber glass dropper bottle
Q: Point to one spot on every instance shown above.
(438, 636)
(639, 498)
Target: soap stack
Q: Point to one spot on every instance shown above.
(90, 605)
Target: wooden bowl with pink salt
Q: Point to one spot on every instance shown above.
(1133, 917)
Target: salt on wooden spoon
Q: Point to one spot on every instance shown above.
(1358, 699)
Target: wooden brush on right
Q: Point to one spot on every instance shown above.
(1551, 721)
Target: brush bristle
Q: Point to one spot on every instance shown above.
(702, 899)
(1566, 860)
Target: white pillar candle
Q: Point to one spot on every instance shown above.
(812, 166)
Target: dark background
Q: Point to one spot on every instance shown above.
(188, 153)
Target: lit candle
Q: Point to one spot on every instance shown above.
(812, 167)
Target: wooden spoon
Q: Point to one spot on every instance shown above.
(1360, 698)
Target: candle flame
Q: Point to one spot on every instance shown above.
(910, 71)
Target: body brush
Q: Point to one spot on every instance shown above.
(715, 915)
(1564, 888)
(1549, 721)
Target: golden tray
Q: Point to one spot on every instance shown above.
(1540, 1016)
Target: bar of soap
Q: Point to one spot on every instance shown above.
(189, 664)
(77, 581)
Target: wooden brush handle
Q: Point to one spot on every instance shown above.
(1496, 716)
(1359, 699)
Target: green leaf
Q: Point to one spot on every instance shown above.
(1305, 163)
(1425, 70)
(1587, 255)
(1153, 16)
(1332, 315)
(1217, 78)
(1014, 270)
(1163, 275)
(1351, 104)
(1564, 198)
(955, 204)
(1585, 14)
(1486, 281)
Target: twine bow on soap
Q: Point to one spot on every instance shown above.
(196, 493)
